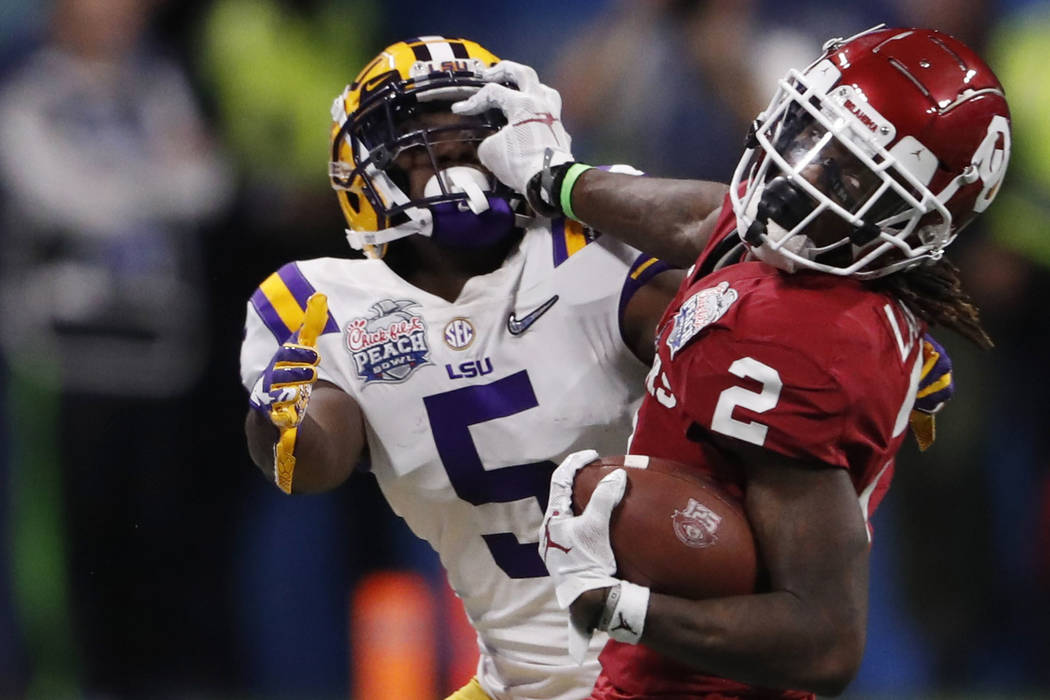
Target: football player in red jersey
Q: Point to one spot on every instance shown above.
(789, 376)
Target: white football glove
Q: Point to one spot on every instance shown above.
(516, 152)
(576, 549)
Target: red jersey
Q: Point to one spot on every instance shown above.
(809, 365)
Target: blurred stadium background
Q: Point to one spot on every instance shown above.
(141, 554)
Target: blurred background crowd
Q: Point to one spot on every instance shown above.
(158, 159)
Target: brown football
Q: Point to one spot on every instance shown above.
(675, 531)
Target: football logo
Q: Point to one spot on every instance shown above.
(697, 525)
(991, 159)
(459, 333)
(545, 118)
(697, 312)
(389, 345)
(517, 326)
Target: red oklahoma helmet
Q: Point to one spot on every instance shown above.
(901, 134)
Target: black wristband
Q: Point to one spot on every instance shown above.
(543, 191)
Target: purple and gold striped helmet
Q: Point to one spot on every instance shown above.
(372, 122)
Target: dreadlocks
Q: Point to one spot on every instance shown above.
(934, 292)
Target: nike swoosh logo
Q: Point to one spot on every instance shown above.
(371, 84)
(517, 326)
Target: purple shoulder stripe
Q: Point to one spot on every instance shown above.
(561, 250)
(269, 316)
(291, 289)
(570, 237)
(643, 269)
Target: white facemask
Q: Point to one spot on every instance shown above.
(771, 254)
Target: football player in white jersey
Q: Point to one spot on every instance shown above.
(477, 344)
(474, 346)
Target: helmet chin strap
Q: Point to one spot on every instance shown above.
(476, 185)
(365, 240)
(479, 220)
(470, 181)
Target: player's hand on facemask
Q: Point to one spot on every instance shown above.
(576, 549)
(517, 151)
(282, 392)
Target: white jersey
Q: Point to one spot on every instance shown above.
(469, 406)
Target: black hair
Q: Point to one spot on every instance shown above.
(934, 292)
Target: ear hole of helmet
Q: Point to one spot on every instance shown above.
(353, 201)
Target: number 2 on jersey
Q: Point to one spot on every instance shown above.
(451, 414)
(757, 401)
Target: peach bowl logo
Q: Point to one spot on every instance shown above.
(389, 345)
(697, 525)
(698, 312)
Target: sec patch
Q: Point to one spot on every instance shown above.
(459, 333)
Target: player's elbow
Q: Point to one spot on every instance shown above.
(833, 681)
(834, 668)
(322, 463)
(261, 435)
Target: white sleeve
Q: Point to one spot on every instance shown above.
(257, 348)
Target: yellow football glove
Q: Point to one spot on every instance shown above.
(282, 393)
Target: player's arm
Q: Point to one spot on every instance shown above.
(808, 631)
(671, 219)
(643, 312)
(532, 155)
(329, 443)
(805, 633)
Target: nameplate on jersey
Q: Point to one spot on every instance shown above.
(697, 312)
(390, 344)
